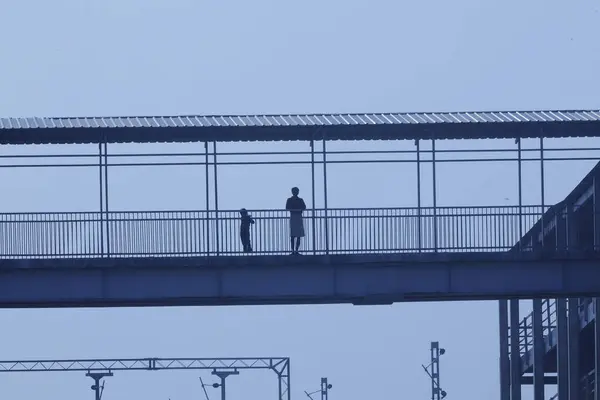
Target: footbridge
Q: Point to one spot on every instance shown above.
(369, 257)
(108, 258)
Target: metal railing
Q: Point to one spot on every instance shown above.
(548, 322)
(526, 326)
(215, 233)
(588, 386)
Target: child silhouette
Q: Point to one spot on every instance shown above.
(245, 222)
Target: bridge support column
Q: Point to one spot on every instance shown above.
(419, 238)
(313, 197)
(597, 349)
(325, 199)
(574, 331)
(504, 351)
(596, 215)
(520, 191)
(539, 349)
(515, 352)
(216, 185)
(207, 186)
(562, 349)
(543, 191)
(434, 179)
(104, 245)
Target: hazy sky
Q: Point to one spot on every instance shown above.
(149, 57)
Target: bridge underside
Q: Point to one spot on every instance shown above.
(355, 279)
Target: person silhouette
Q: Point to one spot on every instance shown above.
(295, 205)
(245, 222)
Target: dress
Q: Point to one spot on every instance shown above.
(296, 225)
(295, 205)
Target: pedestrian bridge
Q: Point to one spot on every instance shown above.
(358, 256)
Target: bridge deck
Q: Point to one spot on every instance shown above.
(356, 279)
(360, 256)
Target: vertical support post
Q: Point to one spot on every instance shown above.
(419, 238)
(542, 187)
(314, 207)
(325, 389)
(207, 239)
(216, 185)
(538, 351)
(570, 234)
(520, 172)
(561, 228)
(435, 230)
(106, 197)
(325, 194)
(97, 377)
(101, 187)
(562, 327)
(434, 373)
(574, 330)
(284, 380)
(436, 390)
(596, 216)
(223, 375)
(515, 352)
(288, 380)
(504, 351)
(597, 349)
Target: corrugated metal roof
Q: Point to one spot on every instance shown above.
(296, 127)
(200, 121)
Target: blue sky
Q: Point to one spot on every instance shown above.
(148, 57)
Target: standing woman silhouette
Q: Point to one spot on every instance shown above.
(295, 205)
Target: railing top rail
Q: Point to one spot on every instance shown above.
(336, 209)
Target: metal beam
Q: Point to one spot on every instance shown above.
(419, 223)
(596, 211)
(368, 279)
(597, 349)
(313, 195)
(434, 180)
(520, 191)
(207, 186)
(542, 189)
(574, 331)
(562, 327)
(515, 352)
(216, 193)
(504, 350)
(325, 199)
(142, 364)
(539, 351)
(548, 380)
(283, 372)
(106, 210)
(101, 194)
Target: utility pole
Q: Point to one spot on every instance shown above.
(96, 387)
(433, 370)
(223, 375)
(325, 386)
